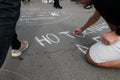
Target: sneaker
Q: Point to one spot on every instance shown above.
(23, 3)
(30, 3)
(18, 53)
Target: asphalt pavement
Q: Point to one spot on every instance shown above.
(55, 53)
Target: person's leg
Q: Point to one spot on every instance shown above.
(110, 64)
(56, 4)
(15, 42)
(17, 46)
(23, 0)
(6, 33)
(88, 58)
(8, 13)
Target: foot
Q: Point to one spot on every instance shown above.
(18, 53)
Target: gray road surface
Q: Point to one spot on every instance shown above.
(55, 53)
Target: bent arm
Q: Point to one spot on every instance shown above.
(93, 19)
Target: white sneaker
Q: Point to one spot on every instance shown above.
(18, 53)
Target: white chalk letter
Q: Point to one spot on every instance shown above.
(40, 40)
(53, 36)
(96, 38)
(67, 33)
(82, 48)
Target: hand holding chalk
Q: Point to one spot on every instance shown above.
(78, 31)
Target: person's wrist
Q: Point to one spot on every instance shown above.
(82, 29)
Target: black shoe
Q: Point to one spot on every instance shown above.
(57, 6)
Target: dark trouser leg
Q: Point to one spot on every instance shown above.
(6, 33)
(56, 2)
(15, 42)
(9, 13)
(23, 0)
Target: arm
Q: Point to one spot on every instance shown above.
(93, 19)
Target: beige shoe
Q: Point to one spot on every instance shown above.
(18, 53)
(30, 3)
(23, 3)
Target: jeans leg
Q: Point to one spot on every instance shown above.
(6, 33)
(56, 2)
(15, 42)
(9, 12)
(23, 0)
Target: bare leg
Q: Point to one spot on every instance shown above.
(111, 64)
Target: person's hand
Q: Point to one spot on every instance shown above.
(110, 38)
(78, 31)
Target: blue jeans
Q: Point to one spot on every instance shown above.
(9, 14)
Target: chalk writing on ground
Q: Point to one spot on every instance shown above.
(54, 39)
(35, 15)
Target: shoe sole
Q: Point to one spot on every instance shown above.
(16, 57)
